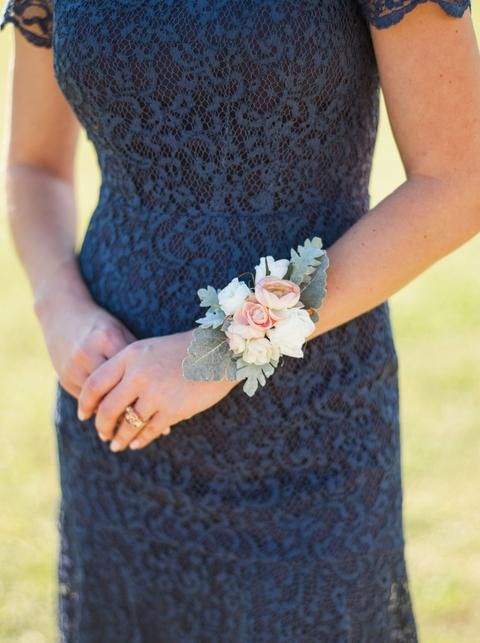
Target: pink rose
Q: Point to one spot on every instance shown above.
(277, 293)
(254, 314)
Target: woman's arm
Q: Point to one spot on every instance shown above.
(39, 169)
(429, 67)
(41, 209)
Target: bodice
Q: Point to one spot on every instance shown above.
(238, 106)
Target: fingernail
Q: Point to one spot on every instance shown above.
(80, 415)
(102, 437)
(115, 445)
(135, 444)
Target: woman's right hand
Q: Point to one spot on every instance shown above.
(80, 335)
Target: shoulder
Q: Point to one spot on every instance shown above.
(33, 18)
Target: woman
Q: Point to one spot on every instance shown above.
(227, 131)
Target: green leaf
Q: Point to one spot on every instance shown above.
(304, 260)
(214, 318)
(208, 296)
(254, 374)
(314, 291)
(209, 356)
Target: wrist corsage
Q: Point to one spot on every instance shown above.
(248, 326)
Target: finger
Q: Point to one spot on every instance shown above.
(112, 407)
(107, 341)
(70, 387)
(146, 406)
(98, 384)
(90, 360)
(129, 336)
(114, 343)
(154, 429)
(73, 379)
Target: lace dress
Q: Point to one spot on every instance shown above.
(226, 130)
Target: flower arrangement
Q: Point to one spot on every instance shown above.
(247, 328)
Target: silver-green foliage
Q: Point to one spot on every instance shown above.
(254, 374)
(209, 356)
(304, 260)
(215, 316)
(314, 291)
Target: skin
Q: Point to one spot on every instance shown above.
(432, 94)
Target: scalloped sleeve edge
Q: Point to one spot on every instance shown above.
(36, 39)
(390, 19)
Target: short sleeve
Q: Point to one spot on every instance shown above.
(34, 19)
(385, 13)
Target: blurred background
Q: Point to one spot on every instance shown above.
(436, 322)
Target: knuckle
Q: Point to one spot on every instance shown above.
(111, 332)
(95, 335)
(103, 335)
(112, 337)
(138, 377)
(80, 355)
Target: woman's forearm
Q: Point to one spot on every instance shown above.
(42, 219)
(413, 227)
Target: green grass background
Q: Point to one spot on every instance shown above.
(437, 329)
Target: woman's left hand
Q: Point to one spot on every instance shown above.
(146, 374)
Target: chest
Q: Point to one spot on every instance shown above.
(165, 49)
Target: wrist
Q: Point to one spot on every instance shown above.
(63, 288)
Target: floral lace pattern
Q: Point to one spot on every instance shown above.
(226, 131)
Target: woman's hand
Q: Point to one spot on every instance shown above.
(147, 374)
(80, 336)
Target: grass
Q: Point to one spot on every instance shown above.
(436, 322)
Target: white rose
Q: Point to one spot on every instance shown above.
(277, 268)
(290, 331)
(232, 296)
(260, 351)
(236, 342)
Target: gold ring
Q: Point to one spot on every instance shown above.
(133, 418)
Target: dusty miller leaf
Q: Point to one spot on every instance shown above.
(209, 356)
(304, 260)
(254, 374)
(314, 291)
(214, 318)
(208, 296)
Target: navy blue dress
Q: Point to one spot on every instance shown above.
(227, 130)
